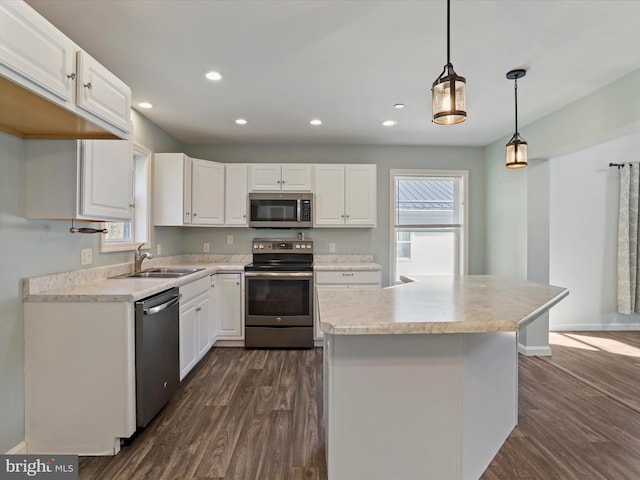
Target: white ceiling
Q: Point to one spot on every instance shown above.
(348, 62)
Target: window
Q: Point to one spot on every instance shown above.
(428, 220)
(128, 235)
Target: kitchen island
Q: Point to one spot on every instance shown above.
(421, 379)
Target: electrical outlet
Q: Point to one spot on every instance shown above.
(229, 239)
(205, 247)
(332, 247)
(87, 256)
(158, 249)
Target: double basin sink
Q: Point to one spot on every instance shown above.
(165, 272)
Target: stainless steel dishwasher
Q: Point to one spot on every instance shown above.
(157, 353)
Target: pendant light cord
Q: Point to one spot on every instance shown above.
(515, 90)
(448, 35)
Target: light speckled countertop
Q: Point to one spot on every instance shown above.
(95, 284)
(464, 304)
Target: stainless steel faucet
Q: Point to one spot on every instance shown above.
(139, 257)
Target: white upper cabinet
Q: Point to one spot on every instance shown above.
(187, 191)
(267, 177)
(36, 51)
(207, 192)
(107, 178)
(102, 94)
(235, 205)
(50, 88)
(88, 180)
(345, 195)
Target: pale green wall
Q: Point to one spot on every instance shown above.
(373, 241)
(35, 247)
(609, 113)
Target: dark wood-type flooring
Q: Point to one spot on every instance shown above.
(257, 415)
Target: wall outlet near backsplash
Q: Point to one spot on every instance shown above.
(332, 247)
(206, 247)
(158, 249)
(229, 239)
(86, 256)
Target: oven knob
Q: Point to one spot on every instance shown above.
(298, 246)
(261, 246)
(278, 319)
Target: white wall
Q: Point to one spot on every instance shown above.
(583, 236)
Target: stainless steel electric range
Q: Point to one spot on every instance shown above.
(279, 294)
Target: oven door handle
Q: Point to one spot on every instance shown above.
(278, 274)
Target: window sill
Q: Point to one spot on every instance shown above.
(122, 247)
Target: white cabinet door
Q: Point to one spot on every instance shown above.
(79, 179)
(32, 48)
(235, 203)
(329, 195)
(101, 93)
(267, 177)
(264, 177)
(230, 319)
(360, 195)
(207, 192)
(171, 176)
(345, 195)
(188, 337)
(214, 309)
(203, 324)
(296, 177)
(195, 323)
(107, 179)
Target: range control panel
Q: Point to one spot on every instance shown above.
(270, 245)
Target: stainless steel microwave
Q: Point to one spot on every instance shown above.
(281, 210)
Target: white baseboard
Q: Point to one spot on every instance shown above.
(534, 351)
(20, 449)
(594, 327)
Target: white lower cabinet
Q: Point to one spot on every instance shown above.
(345, 278)
(195, 323)
(229, 311)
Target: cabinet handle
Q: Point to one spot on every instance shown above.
(72, 76)
(347, 274)
(187, 214)
(279, 181)
(195, 214)
(198, 309)
(88, 85)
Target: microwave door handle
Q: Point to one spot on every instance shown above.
(299, 210)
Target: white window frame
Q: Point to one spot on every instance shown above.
(141, 215)
(463, 239)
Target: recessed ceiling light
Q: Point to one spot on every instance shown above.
(241, 121)
(145, 105)
(389, 123)
(316, 121)
(399, 106)
(215, 76)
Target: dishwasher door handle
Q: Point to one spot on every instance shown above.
(162, 306)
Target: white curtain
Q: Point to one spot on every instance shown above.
(628, 256)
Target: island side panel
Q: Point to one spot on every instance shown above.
(490, 406)
(394, 406)
(79, 376)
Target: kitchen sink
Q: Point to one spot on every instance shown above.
(164, 272)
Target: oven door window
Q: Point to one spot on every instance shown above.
(274, 210)
(279, 297)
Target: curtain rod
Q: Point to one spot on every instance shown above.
(618, 165)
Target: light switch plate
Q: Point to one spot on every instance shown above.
(205, 247)
(332, 247)
(229, 239)
(158, 249)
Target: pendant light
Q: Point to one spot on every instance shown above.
(448, 98)
(517, 147)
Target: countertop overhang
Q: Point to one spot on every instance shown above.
(439, 304)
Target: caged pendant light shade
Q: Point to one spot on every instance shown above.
(517, 147)
(448, 92)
